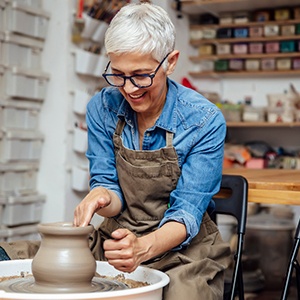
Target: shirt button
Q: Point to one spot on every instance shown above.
(148, 134)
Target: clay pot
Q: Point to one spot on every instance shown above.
(64, 261)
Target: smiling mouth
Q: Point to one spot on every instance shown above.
(135, 97)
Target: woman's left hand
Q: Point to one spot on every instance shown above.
(124, 251)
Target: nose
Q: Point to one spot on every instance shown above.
(129, 87)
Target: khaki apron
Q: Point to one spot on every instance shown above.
(147, 179)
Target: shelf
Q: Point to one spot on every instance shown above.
(245, 40)
(244, 56)
(245, 74)
(217, 6)
(262, 124)
(242, 25)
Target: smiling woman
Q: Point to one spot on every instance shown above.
(155, 150)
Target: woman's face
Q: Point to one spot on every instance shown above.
(148, 101)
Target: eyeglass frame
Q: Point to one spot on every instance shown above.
(151, 76)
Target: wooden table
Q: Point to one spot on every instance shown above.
(272, 186)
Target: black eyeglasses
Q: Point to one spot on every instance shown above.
(139, 80)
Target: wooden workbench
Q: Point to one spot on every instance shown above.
(272, 186)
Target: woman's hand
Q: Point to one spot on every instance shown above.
(124, 251)
(99, 200)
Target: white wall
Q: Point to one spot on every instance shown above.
(57, 118)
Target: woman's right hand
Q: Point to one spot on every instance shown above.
(98, 200)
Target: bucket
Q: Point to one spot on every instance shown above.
(272, 238)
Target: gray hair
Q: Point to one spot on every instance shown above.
(144, 28)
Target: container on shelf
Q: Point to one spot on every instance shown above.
(196, 34)
(232, 112)
(268, 64)
(20, 51)
(226, 18)
(252, 64)
(256, 47)
(296, 63)
(22, 232)
(285, 101)
(88, 63)
(282, 14)
(271, 30)
(18, 145)
(206, 66)
(221, 65)
(223, 49)
(241, 17)
(287, 30)
(29, 84)
(272, 47)
(80, 140)
(19, 115)
(81, 99)
(240, 32)
(209, 33)
(296, 13)
(256, 31)
(80, 179)
(224, 33)
(236, 64)
(2, 6)
(19, 210)
(240, 48)
(279, 115)
(18, 178)
(253, 114)
(25, 19)
(283, 64)
(297, 28)
(287, 46)
(206, 49)
(262, 16)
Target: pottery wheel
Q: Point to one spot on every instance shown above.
(28, 285)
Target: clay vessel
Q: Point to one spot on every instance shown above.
(64, 262)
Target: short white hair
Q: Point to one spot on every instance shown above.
(144, 28)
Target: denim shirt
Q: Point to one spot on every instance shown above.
(199, 132)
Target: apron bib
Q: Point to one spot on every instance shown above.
(147, 179)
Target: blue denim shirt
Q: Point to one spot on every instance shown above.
(199, 132)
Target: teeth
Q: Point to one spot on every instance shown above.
(136, 96)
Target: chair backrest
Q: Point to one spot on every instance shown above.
(233, 200)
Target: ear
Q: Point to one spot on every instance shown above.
(172, 61)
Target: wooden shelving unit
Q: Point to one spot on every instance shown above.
(217, 6)
(262, 125)
(249, 74)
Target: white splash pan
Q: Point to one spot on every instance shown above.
(155, 278)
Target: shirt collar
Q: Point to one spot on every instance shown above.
(167, 119)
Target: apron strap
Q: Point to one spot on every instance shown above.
(121, 124)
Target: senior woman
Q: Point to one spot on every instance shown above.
(155, 150)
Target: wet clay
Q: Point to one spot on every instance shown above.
(64, 261)
(64, 264)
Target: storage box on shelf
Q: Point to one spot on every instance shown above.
(23, 232)
(20, 210)
(25, 19)
(20, 51)
(18, 178)
(21, 83)
(2, 6)
(15, 114)
(20, 145)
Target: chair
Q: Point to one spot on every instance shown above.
(293, 264)
(233, 200)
